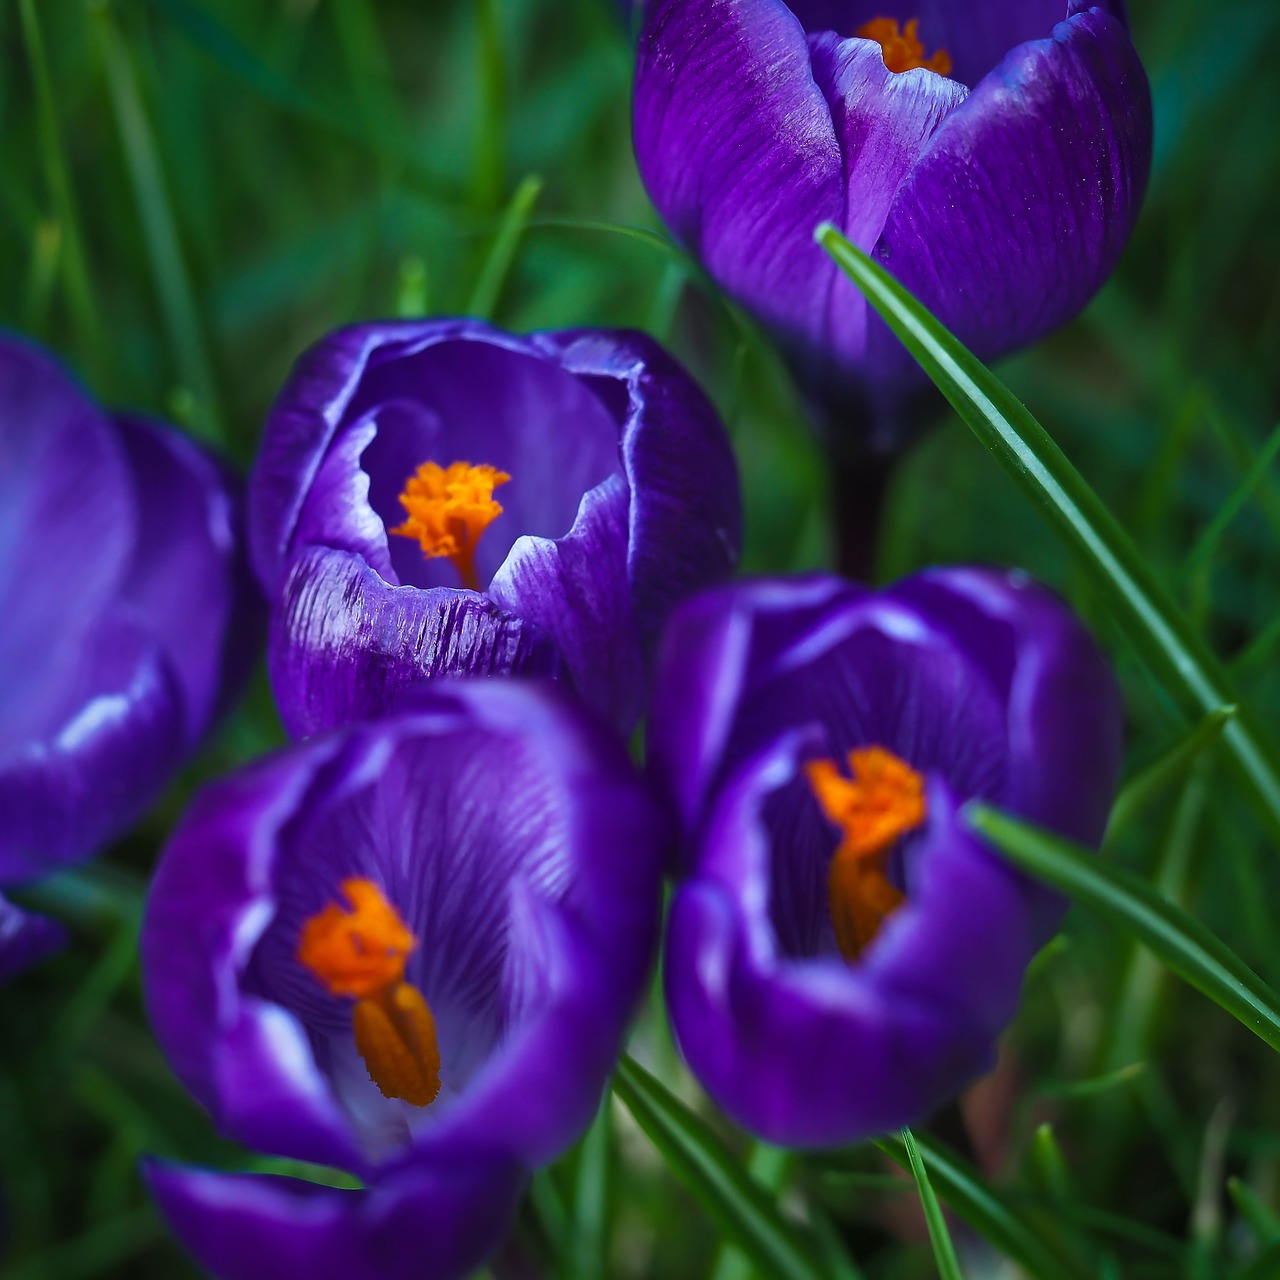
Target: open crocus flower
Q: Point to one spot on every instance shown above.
(24, 938)
(408, 949)
(990, 154)
(842, 952)
(442, 498)
(127, 613)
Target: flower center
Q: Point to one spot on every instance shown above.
(360, 951)
(874, 807)
(902, 48)
(447, 509)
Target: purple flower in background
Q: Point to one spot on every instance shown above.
(442, 498)
(988, 153)
(842, 951)
(128, 617)
(408, 949)
(24, 938)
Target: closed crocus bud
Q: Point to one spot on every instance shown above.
(842, 951)
(410, 950)
(442, 498)
(126, 614)
(991, 154)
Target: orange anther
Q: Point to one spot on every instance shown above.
(902, 48)
(448, 509)
(877, 805)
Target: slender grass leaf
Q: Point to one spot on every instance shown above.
(1002, 1226)
(769, 1166)
(506, 244)
(1253, 1209)
(716, 1178)
(1165, 771)
(1176, 937)
(944, 1252)
(173, 283)
(1175, 653)
(1051, 1164)
(589, 1252)
(1203, 551)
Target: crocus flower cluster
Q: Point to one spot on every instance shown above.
(992, 154)
(407, 949)
(842, 951)
(442, 498)
(128, 618)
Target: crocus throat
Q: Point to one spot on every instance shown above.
(448, 509)
(880, 801)
(902, 48)
(360, 951)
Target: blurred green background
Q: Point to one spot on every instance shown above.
(191, 191)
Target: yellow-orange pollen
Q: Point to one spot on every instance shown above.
(448, 508)
(902, 48)
(360, 951)
(880, 801)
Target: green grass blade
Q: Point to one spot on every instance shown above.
(506, 244)
(1172, 649)
(1163, 772)
(1207, 544)
(173, 283)
(1174, 936)
(944, 1252)
(589, 1253)
(729, 1196)
(769, 1166)
(1262, 1221)
(1003, 1227)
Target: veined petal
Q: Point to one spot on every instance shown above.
(344, 644)
(1021, 203)
(737, 149)
(428, 1224)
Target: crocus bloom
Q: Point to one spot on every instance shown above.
(842, 951)
(127, 615)
(409, 950)
(992, 160)
(24, 938)
(441, 498)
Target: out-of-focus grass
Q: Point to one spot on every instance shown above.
(193, 190)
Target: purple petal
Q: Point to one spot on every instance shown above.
(576, 590)
(25, 939)
(344, 645)
(188, 584)
(685, 528)
(737, 149)
(1023, 200)
(67, 525)
(431, 1224)
(114, 740)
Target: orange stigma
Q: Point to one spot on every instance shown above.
(902, 48)
(880, 802)
(448, 509)
(360, 951)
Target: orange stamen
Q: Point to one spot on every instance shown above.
(448, 509)
(874, 808)
(902, 48)
(361, 952)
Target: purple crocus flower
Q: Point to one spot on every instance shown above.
(990, 154)
(24, 938)
(407, 949)
(842, 951)
(439, 497)
(128, 616)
